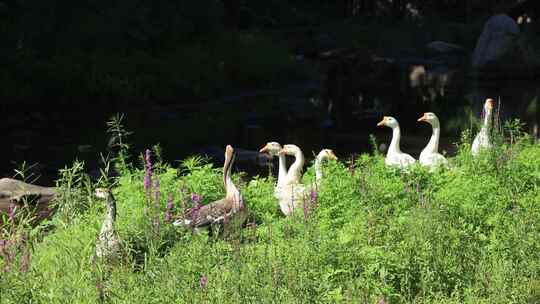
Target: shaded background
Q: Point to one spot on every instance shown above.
(194, 76)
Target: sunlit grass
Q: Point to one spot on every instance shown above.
(464, 235)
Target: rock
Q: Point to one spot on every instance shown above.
(498, 39)
(85, 148)
(444, 47)
(13, 191)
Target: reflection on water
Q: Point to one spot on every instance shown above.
(54, 140)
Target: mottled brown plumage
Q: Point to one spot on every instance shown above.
(221, 210)
(108, 244)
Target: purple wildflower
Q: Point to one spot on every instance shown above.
(11, 211)
(148, 177)
(156, 193)
(195, 211)
(305, 205)
(156, 204)
(182, 198)
(313, 197)
(3, 244)
(420, 196)
(405, 184)
(148, 160)
(7, 253)
(203, 281)
(195, 198)
(25, 260)
(362, 178)
(351, 166)
(170, 203)
(169, 209)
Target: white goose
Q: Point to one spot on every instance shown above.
(430, 156)
(292, 193)
(482, 141)
(273, 148)
(395, 157)
(323, 155)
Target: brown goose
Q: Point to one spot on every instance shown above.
(221, 210)
(16, 191)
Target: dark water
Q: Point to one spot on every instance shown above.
(48, 140)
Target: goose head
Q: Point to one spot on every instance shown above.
(229, 155)
(290, 150)
(430, 118)
(326, 154)
(271, 148)
(488, 105)
(388, 121)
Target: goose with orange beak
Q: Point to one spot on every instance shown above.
(482, 140)
(273, 148)
(293, 192)
(430, 156)
(395, 157)
(325, 154)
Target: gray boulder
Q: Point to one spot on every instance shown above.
(498, 39)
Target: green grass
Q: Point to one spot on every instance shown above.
(470, 234)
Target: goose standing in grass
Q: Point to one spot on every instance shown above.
(108, 243)
(218, 211)
(482, 140)
(273, 148)
(292, 193)
(322, 156)
(394, 156)
(430, 156)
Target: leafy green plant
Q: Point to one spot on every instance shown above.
(467, 234)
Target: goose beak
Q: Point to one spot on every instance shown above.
(489, 103)
(423, 118)
(282, 151)
(264, 149)
(332, 155)
(229, 151)
(382, 122)
(101, 193)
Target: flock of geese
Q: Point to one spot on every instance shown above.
(289, 190)
(430, 156)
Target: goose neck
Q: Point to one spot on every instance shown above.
(295, 171)
(318, 172)
(487, 119)
(394, 144)
(282, 173)
(433, 144)
(230, 188)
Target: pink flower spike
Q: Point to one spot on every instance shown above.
(203, 281)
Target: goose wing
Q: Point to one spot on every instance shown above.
(209, 214)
